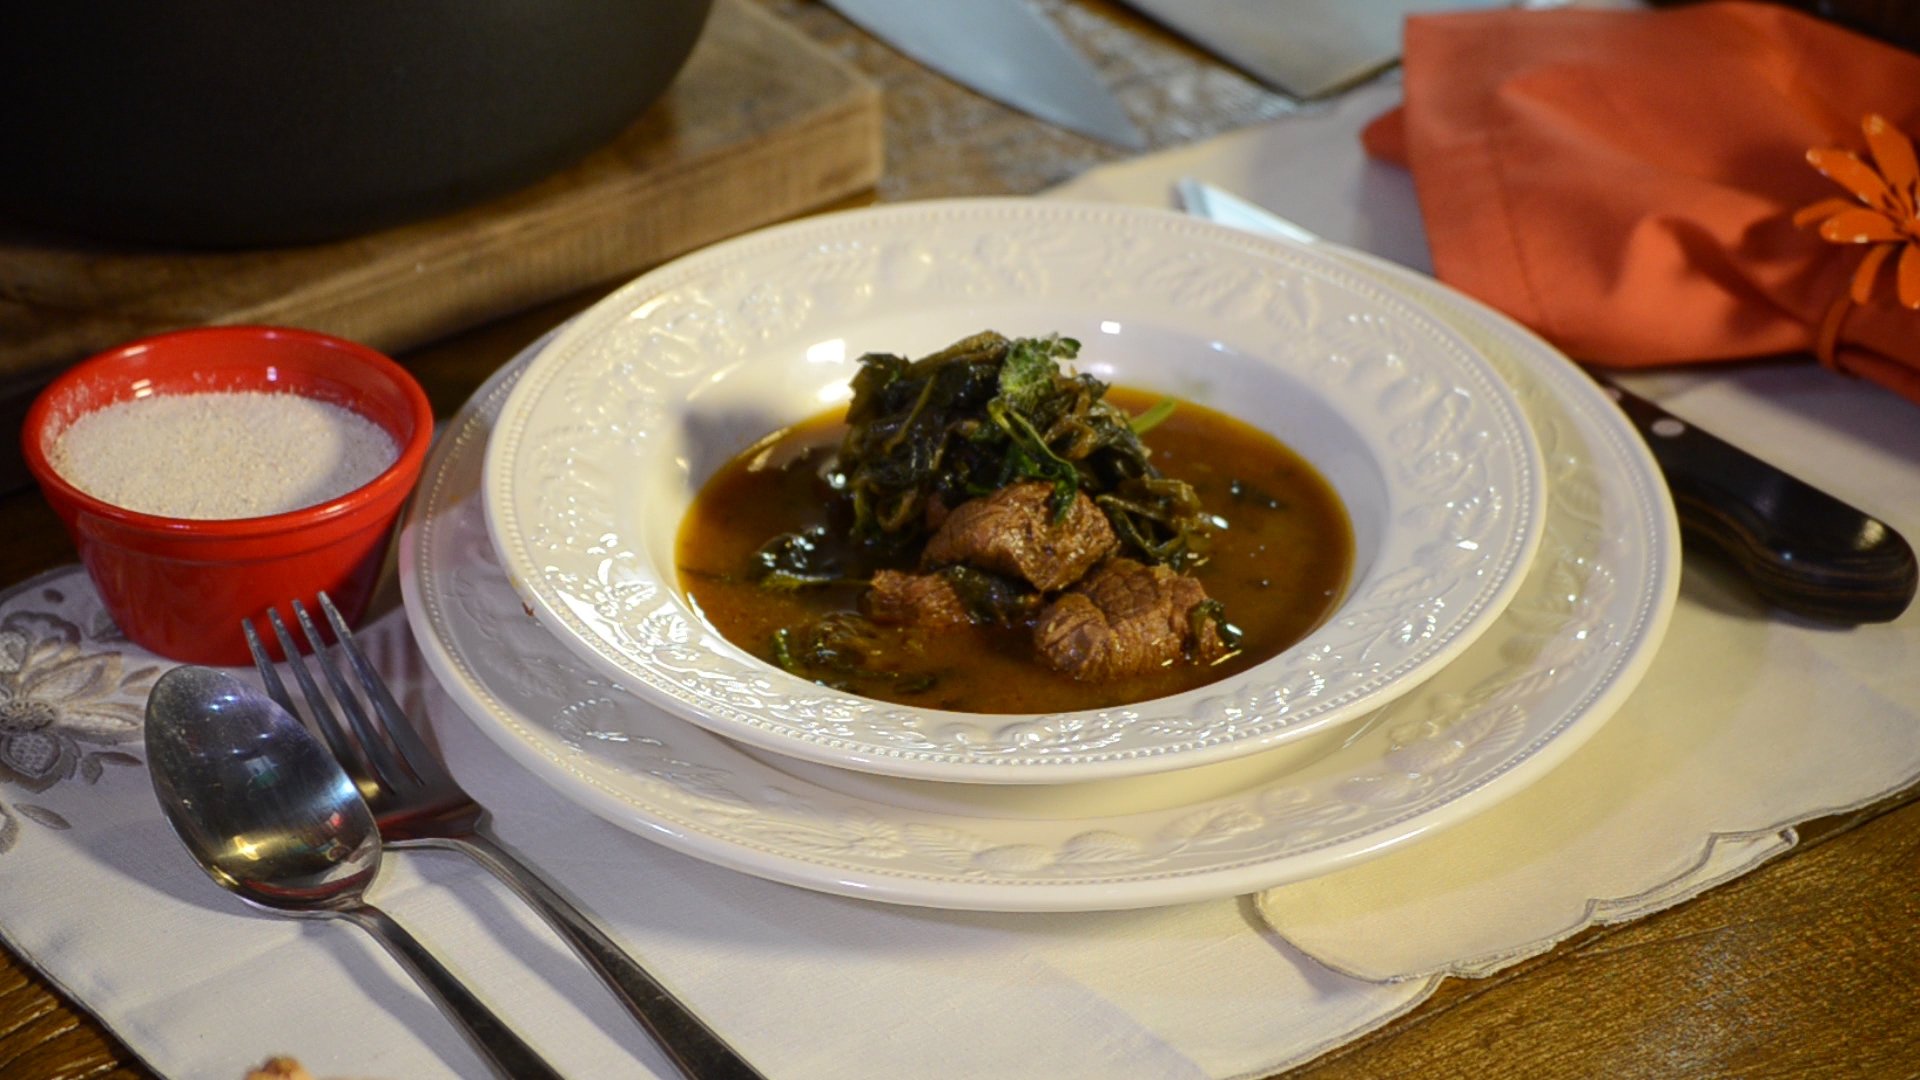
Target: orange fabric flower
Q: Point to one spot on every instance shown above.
(1890, 219)
(1884, 212)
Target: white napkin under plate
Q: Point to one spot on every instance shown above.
(1749, 721)
(96, 892)
(1745, 725)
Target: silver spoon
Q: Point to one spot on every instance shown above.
(272, 817)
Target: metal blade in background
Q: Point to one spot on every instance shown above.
(1213, 204)
(1005, 50)
(1303, 48)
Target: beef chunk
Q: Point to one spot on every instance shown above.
(901, 599)
(1013, 532)
(935, 514)
(1126, 618)
(948, 596)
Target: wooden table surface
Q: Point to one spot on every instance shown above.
(1809, 966)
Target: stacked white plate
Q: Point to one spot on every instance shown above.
(1515, 560)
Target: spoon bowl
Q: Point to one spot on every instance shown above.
(271, 817)
(260, 804)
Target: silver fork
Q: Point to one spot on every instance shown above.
(418, 804)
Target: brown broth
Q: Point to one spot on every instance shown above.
(1279, 566)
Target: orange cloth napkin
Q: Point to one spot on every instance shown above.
(1624, 182)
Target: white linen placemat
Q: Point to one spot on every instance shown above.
(1748, 721)
(96, 892)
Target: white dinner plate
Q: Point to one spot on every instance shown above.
(600, 449)
(1561, 657)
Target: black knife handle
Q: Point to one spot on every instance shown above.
(1802, 549)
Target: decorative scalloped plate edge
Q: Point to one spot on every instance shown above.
(1453, 754)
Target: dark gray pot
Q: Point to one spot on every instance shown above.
(232, 123)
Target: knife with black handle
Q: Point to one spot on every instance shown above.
(1802, 549)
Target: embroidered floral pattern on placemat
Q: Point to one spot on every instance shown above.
(71, 692)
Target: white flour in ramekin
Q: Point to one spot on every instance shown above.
(221, 455)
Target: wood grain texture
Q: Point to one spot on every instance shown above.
(760, 125)
(945, 140)
(40, 1037)
(1803, 968)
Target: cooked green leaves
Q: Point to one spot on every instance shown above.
(794, 560)
(926, 435)
(845, 651)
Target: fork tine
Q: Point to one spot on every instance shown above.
(263, 664)
(318, 710)
(387, 769)
(424, 763)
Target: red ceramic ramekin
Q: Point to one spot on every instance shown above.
(180, 587)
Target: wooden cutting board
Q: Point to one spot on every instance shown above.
(761, 125)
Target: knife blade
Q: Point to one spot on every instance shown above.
(1005, 50)
(1800, 548)
(1306, 49)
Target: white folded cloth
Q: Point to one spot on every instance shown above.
(1748, 722)
(97, 893)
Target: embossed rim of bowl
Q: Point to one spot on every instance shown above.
(760, 331)
(1579, 635)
